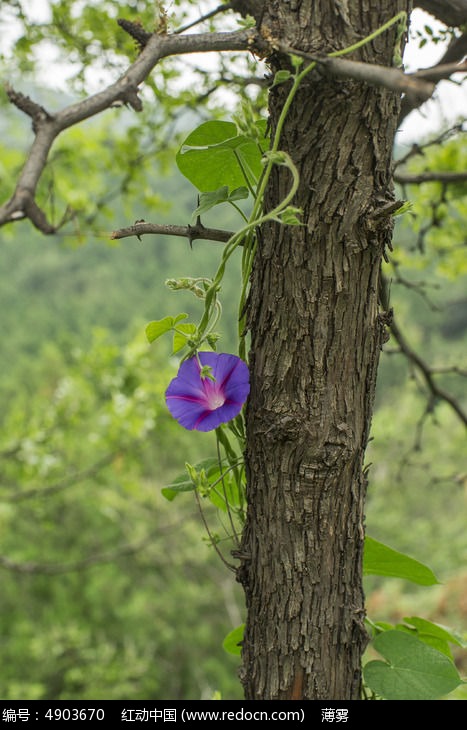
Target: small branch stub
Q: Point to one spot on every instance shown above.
(27, 105)
(136, 31)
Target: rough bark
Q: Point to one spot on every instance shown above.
(316, 334)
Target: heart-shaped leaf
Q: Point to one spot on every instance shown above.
(159, 327)
(215, 155)
(412, 670)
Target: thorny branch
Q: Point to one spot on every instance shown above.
(193, 233)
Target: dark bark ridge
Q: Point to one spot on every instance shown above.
(316, 334)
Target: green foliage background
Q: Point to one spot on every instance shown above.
(108, 590)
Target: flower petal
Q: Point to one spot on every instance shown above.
(187, 413)
(188, 381)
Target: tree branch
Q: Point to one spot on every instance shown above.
(436, 392)
(405, 178)
(419, 287)
(47, 127)
(418, 149)
(436, 73)
(456, 51)
(191, 232)
(419, 90)
(222, 8)
(452, 13)
(64, 483)
(135, 30)
(27, 105)
(97, 559)
(440, 72)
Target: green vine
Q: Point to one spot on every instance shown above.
(222, 479)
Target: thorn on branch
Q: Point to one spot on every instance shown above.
(141, 220)
(28, 106)
(195, 231)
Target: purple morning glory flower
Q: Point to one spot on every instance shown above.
(209, 389)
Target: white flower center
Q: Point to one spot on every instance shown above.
(216, 400)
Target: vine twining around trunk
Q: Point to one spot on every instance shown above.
(230, 162)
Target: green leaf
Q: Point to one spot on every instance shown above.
(297, 61)
(281, 76)
(247, 22)
(226, 492)
(232, 642)
(160, 326)
(404, 208)
(289, 216)
(379, 559)
(240, 193)
(182, 483)
(413, 670)
(432, 634)
(214, 155)
(375, 627)
(438, 644)
(424, 626)
(184, 333)
(216, 197)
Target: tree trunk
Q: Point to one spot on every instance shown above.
(316, 335)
